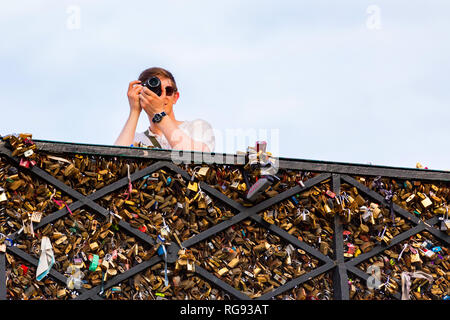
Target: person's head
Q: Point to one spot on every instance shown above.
(167, 81)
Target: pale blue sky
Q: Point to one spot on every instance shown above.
(334, 88)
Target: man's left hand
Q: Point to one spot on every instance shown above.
(151, 102)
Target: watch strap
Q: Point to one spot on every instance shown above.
(161, 114)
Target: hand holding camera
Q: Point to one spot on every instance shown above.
(153, 97)
(134, 88)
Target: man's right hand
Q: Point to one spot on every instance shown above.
(134, 88)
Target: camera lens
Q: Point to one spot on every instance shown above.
(154, 84)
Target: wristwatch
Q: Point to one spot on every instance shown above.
(158, 117)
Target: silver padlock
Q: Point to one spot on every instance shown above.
(257, 188)
(445, 221)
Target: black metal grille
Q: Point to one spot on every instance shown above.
(338, 172)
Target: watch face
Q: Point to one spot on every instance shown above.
(157, 117)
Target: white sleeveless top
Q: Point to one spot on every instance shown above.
(198, 129)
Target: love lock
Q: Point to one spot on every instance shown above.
(172, 252)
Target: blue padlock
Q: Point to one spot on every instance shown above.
(9, 242)
(160, 240)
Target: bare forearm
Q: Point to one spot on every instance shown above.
(126, 136)
(178, 139)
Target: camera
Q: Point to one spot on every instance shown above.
(153, 84)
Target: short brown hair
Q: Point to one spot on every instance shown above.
(155, 71)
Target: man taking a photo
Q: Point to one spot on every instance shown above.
(164, 131)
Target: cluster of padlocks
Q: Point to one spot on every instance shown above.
(86, 247)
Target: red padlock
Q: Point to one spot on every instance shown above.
(330, 194)
(24, 163)
(261, 146)
(351, 248)
(24, 268)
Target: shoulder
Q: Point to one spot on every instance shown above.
(201, 123)
(198, 127)
(141, 137)
(201, 130)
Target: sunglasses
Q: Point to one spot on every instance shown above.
(170, 90)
